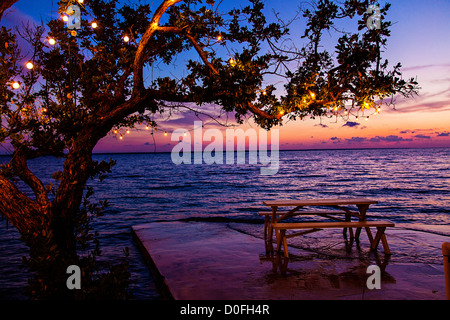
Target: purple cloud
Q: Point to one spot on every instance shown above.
(351, 124)
(422, 136)
(335, 140)
(356, 140)
(391, 138)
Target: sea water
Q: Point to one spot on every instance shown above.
(411, 185)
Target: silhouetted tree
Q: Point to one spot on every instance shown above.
(91, 82)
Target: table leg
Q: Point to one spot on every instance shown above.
(378, 237)
(362, 208)
(266, 226)
(272, 220)
(348, 218)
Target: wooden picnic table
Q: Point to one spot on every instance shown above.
(340, 206)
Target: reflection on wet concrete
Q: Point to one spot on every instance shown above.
(212, 261)
(311, 273)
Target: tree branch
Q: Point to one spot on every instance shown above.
(21, 211)
(19, 163)
(142, 53)
(4, 5)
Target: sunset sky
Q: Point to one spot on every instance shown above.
(420, 40)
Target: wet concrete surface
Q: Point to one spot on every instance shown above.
(229, 261)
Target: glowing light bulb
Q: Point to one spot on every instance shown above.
(126, 38)
(165, 133)
(128, 131)
(51, 41)
(264, 92)
(121, 138)
(219, 38)
(80, 1)
(65, 18)
(313, 95)
(367, 119)
(94, 25)
(232, 62)
(15, 85)
(281, 112)
(146, 128)
(29, 65)
(115, 131)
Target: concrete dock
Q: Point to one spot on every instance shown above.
(227, 261)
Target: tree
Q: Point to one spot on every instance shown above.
(5, 5)
(91, 82)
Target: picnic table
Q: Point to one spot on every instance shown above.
(341, 216)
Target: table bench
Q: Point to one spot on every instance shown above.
(272, 220)
(316, 226)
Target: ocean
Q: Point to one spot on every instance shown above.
(411, 185)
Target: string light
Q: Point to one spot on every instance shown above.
(281, 112)
(80, 1)
(15, 85)
(94, 25)
(29, 65)
(126, 38)
(232, 62)
(128, 131)
(65, 18)
(313, 95)
(219, 38)
(367, 118)
(146, 128)
(165, 133)
(121, 138)
(51, 41)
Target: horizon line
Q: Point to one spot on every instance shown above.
(289, 150)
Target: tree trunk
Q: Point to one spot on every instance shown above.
(49, 255)
(22, 212)
(50, 231)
